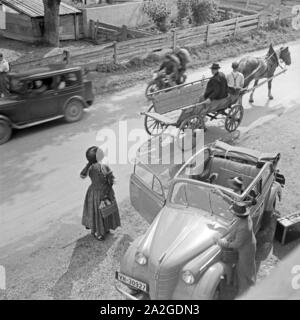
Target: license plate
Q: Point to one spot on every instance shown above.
(132, 282)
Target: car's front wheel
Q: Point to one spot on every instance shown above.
(5, 131)
(73, 111)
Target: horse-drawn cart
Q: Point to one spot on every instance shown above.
(181, 107)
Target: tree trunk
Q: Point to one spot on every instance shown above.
(51, 22)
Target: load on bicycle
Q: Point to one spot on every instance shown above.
(171, 72)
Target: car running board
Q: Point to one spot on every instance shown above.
(27, 125)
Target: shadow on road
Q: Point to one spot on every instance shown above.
(88, 253)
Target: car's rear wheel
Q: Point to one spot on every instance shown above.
(5, 131)
(73, 111)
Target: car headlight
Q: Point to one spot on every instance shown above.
(140, 258)
(188, 277)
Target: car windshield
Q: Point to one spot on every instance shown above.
(197, 196)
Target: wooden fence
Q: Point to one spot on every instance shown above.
(118, 52)
(103, 31)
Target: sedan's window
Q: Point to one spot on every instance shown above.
(157, 186)
(38, 86)
(144, 175)
(17, 86)
(71, 79)
(67, 80)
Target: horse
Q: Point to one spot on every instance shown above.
(258, 68)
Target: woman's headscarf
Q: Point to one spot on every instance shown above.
(93, 155)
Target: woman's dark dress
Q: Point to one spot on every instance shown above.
(98, 191)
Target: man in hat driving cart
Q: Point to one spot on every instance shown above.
(216, 89)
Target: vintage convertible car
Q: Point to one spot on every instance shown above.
(177, 257)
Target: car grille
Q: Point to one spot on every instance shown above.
(162, 281)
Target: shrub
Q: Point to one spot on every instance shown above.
(204, 11)
(110, 67)
(183, 7)
(158, 12)
(152, 58)
(135, 62)
(226, 15)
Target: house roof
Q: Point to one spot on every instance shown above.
(35, 8)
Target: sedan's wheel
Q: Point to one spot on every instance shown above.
(73, 111)
(5, 131)
(234, 118)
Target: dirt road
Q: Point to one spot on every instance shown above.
(46, 252)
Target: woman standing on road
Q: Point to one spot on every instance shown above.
(99, 195)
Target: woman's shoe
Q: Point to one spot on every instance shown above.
(100, 238)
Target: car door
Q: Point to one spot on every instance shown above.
(68, 85)
(16, 109)
(43, 104)
(15, 106)
(146, 192)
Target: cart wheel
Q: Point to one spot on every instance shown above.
(234, 118)
(152, 126)
(191, 123)
(152, 87)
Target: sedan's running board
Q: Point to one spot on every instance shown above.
(27, 125)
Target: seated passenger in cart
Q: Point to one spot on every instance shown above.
(216, 89)
(235, 80)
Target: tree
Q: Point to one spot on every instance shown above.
(51, 22)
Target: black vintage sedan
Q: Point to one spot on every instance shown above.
(42, 95)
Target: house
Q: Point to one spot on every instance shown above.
(24, 20)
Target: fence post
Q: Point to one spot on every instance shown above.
(66, 57)
(259, 21)
(278, 17)
(174, 39)
(236, 27)
(97, 25)
(92, 28)
(207, 35)
(115, 57)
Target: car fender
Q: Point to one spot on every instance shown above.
(275, 191)
(210, 280)
(6, 119)
(75, 98)
(128, 265)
